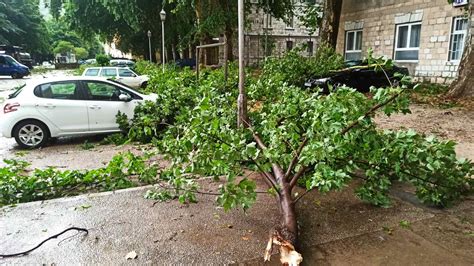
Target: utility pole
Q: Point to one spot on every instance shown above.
(242, 120)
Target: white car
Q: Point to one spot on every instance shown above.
(120, 74)
(57, 107)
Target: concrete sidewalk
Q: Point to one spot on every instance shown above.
(336, 229)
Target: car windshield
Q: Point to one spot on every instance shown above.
(125, 85)
(17, 91)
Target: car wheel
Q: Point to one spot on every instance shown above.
(31, 134)
(17, 76)
(144, 84)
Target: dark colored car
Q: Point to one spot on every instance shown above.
(10, 67)
(17, 53)
(186, 63)
(357, 75)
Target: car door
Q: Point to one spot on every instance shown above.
(103, 105)
(5, 67)
(128, 77)
(63, 105)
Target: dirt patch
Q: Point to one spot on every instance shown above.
(451, 124)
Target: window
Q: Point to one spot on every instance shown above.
(2, 60)
(58, 90)
(289, 45)
(310, 47)
(126, 73)
(353, 45)
(92, 72)
(458, 36)
(407, 42)
(267, 21)
(10, 61)
(99, 91)
(109, 72)
(291, 23)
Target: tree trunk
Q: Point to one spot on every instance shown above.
(463, 86)
(284, 235)
(330, 23)
(229, 35)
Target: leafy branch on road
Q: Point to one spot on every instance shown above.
(125, 170)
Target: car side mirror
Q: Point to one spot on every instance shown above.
(125, 98)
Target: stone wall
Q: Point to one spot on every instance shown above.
(378, 19)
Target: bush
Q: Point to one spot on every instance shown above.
(145, 67)
(102, 59)
(295, 68)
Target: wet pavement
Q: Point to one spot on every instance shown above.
(335, 229)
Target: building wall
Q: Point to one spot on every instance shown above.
(378, 19)
(278, 33)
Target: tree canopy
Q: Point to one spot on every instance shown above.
(188, 22)
(22, 24)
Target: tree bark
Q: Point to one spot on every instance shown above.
(463, 86)
(330, 23)
(229, 35)
(284, 235)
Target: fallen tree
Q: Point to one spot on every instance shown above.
(294, 138)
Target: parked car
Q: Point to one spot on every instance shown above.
(120, 74)
(90, 61)
(10, 67)
(186, 63)
(357, 75)
(56, 107)
(18, 53)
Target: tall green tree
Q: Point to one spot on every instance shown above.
(22, 24)
(188, 22)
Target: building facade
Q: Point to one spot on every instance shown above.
(427, 36)
(267, 36)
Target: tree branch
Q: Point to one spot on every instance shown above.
(294, 179)
(369, 112)
(44, 241)
(268, 178)
(296, 158)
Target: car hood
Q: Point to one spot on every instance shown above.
(150, 97)
(22, 66)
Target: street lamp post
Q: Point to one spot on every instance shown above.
(163, 18)
(149, 43)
